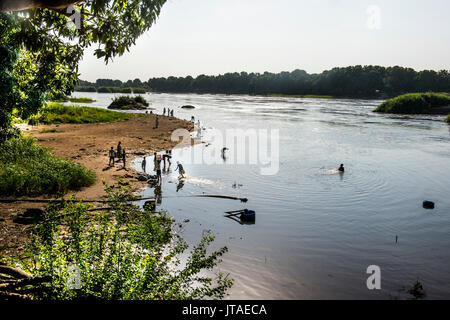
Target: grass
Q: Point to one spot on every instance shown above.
(28, 169)
(448, 119)
(50, 130)
(86, 89)
(414, 103)
(81, 100)
(139, 90)
(57, 113)
(315, 96)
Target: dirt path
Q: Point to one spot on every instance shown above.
(88, 144)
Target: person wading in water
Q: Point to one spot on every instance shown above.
(180, 169)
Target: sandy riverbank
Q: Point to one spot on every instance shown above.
(88, 144)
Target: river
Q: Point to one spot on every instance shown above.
(316, 231)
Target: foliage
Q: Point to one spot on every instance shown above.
(120, 90)
(136, 83)
(414, 103)
(127, 102)
(311, 96)
(81, 100)
(139, 90)
(122, 254)
(86, 89)
(40, 48)
(140, 99)
(448, 119)
(353, 81)
(51, 130)
(56, 113)
(27, 168)
(104, 90)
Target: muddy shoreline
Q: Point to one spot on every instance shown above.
(88, 145)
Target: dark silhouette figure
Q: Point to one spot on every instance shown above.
(119, 150)
(144, 164)
(111, 156)
(341, 168)
(124, 157)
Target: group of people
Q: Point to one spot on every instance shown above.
(169, 112)
(120, 154)
(157, 159)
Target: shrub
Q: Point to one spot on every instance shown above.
(414, 103)
(81, 100)
(141, 99)
(122, 254)
(123, 90)
(448, 119)
(129, 103)
(86, 89)
(104, 90)
(139, 90)
(27, 168)
(59, 97)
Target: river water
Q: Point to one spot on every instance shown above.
(316, 231)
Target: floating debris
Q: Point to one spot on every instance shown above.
(428, 204)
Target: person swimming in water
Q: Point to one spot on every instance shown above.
(341, 168)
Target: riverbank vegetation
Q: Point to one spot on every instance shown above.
(112, 89)
(121, 253)
(57, 113)
(27, 168)
(448, 119)
(312, 96)
(350, 82)
(416, 103)
(129, 103)
(76, 100)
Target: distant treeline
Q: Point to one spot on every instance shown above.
(355, 81)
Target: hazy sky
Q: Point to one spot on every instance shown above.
(193, 37)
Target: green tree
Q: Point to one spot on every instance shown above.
(124, 253)
(41, 46)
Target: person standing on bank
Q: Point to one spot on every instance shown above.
(111, 156)
(119, 150)
(124, 156)
(156, 122)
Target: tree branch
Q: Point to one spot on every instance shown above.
(17, 5)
